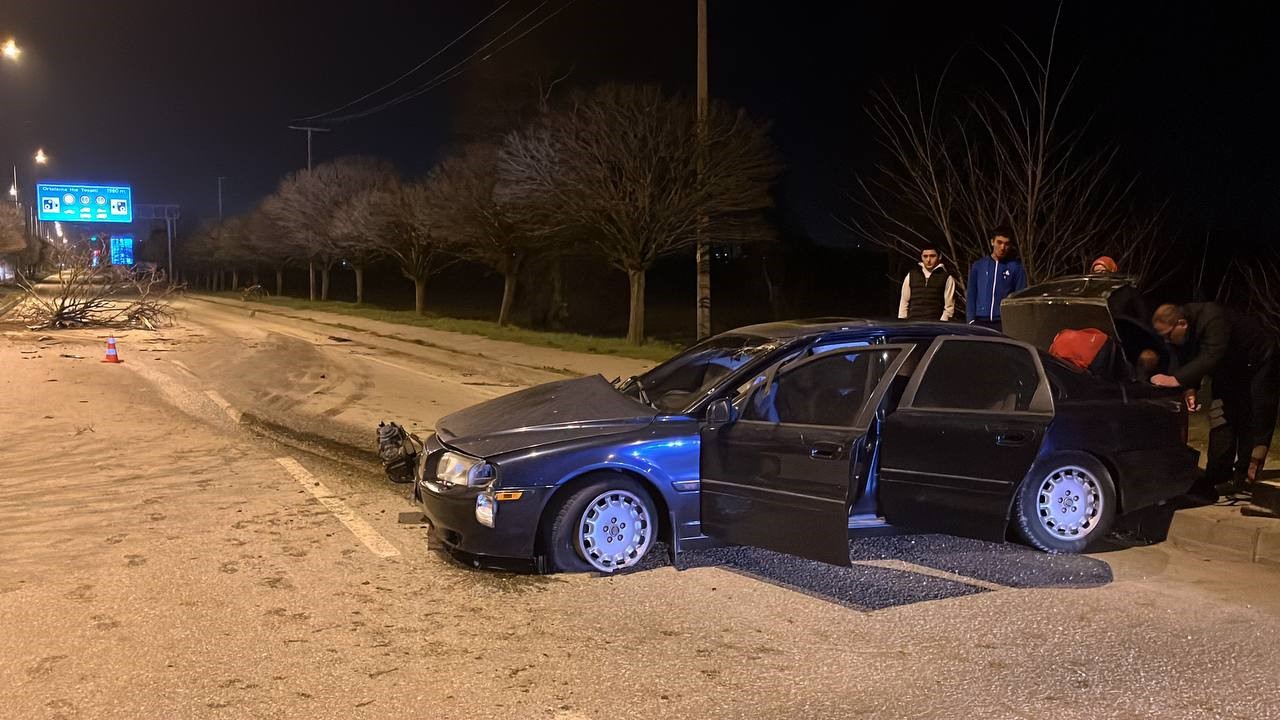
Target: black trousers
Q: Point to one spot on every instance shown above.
(1246, 418)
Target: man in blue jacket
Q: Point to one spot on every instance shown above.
(991, 279)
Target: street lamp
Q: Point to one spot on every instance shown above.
(11, 50)
(41, 158)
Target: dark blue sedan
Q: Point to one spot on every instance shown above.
(794, 435)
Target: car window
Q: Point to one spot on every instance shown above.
(839, 345)
(829, 390)
(979, 376)
(687, 376)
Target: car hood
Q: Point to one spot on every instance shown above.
(554, 412)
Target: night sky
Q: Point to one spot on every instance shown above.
(170, 95)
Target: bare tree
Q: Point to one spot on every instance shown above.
(200, 254)
(307, 203)
(398, 217)
(13, 230)
(622, 162)
(266, 243)
(233, 250)
(1002, 158)
(461, 201)
(1254, 285)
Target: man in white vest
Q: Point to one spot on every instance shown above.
(929, 290)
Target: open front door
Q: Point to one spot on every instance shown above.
(966, 433)
(778, 476)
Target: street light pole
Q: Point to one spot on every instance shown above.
(220, 179)
(311, 266)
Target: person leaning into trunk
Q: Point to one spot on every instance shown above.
(929, 290)
(1240, 357)
(991, 279)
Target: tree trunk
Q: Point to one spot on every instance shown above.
(635, 328)
(311, 274)
(359, 270)
(558, 312)
(324, 282)
(420, 296)
(235, 279)
(279, 281)
(704, 283)
(255, 276)
(508, 297)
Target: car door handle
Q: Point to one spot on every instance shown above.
(1013, 438)
(825, 450)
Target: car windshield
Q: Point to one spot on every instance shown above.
(676, 383)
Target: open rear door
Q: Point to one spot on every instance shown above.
(778, 475)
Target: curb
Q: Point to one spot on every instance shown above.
(1221, 530)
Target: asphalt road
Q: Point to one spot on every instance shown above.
(161, 558)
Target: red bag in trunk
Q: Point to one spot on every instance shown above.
(1079, 347)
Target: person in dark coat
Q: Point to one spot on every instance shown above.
(929, 290)
(1240, 357)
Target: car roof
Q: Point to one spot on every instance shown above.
(814, 327)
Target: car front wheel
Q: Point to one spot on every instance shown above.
(607, 525)
(1066, 504)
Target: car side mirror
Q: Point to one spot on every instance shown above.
(720, 412)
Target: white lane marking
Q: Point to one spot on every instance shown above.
(363, 531)
(218, 400)
(905, 566)
(487, 392)
(183, 367)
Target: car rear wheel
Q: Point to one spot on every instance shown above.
(1066, 504)
(607, 525)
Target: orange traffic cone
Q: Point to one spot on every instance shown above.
(112, 355)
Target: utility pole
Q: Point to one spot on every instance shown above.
(703, 247)
(308, 130)
(220, 179)
(311, 266)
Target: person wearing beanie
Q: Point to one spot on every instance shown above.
(1104, 265)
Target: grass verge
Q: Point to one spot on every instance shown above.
(655, 350)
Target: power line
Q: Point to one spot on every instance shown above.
(413, 70)
(457, 68)
(441, 77)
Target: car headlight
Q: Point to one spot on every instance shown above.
(454, 469)
(486, 509)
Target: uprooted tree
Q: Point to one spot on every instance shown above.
(958, 168)
(623, 164)
(84, 294)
